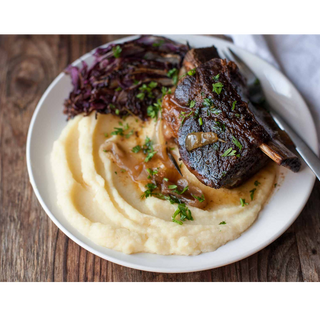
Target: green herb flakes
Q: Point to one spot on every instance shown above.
(233, 105)
(173, 74)
(229, 153)
(243, 202)
(252, 193)
(200, 199)
(158, 44)
(184, 212)
(116, 51)
(237, 143)
(217, 87)
(192, 104)
(222, 222)
(136, 149)
(216, 77)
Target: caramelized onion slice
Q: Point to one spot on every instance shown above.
(199, 139)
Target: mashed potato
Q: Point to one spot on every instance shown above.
(105, 205)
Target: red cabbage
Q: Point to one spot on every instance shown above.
(125, 78)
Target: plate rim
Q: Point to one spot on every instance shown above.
(137, 266)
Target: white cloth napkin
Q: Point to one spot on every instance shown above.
(297, 56)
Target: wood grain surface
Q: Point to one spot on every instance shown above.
(33, 249)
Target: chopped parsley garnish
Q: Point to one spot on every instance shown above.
(123, 171)
(217, 87)
(237, 115)
(173, 74)
(140, 95)
(200, 199)
(135, 81)
(229, 153)
(275, 185)
(182, 191)
(237, 143)
(118, 89)
(117, 111)
(149, 156)
(149, 192)
(222, 222)
(166, 179)
(191, 72)
(183, 115)
(196, 113)
(165, 91)
(192, 103)
(153, 111)
(147, 149)
(106, 135)
(158, 44)
(215, 146)
(243, 202)
(152, 85)
(256, 183)
(129, 134)
(117, 132)
(116, 51)
(252, 193)
(112, 106)
(207, 102)
(233, 105)
(216, 77)
(221, 125)
(136, 149)
(116, 172)
(120, 131)
(256, 82)
(152, 172)
(146, 90)
(200, 122)
(213, 111)
(184, 212)
(173, 186)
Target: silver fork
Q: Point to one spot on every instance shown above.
(256, 95)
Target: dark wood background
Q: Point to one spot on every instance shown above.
(31, 246)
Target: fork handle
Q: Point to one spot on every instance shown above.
(303, 149)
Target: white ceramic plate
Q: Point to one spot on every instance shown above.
(280, 212)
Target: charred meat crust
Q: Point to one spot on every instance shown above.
(199, 87)
(251, 125)
(195, 57)
(207, 164)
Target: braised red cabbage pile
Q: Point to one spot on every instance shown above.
(125, 78)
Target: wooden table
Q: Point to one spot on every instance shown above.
(33, 249)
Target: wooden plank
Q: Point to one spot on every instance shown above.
(31, 246)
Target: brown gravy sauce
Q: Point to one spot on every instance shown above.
(167, 175)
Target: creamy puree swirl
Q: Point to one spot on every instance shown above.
(105, 205)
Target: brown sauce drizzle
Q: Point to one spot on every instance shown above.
(167, 175)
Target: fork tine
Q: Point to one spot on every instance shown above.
(226, 55)
(242, 66)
